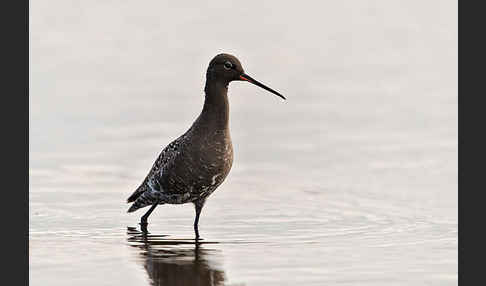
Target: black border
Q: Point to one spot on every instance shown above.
(14, 120)
(460, 113)
(471, 143)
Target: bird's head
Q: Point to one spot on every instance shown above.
(226, 68)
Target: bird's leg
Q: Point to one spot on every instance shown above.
(143, 220)
(199, 205)
(196, 221)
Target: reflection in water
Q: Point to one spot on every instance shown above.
(175, 262)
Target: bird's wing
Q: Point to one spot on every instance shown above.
(152, 180)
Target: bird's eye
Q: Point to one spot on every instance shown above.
(228, 65)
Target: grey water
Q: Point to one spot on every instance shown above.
(351, 181)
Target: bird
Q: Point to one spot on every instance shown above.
(192, 167)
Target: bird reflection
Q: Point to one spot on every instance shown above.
(175, 262)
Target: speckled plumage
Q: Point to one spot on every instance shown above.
(191, 167)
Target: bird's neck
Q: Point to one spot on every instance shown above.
(215, 112)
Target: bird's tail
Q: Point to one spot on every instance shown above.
(140, 190)
(144, 199)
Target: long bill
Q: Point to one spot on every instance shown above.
(248, 78)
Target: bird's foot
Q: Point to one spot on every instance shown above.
(143, 227)
(197, 238)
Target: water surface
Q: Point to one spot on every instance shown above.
(352, 181)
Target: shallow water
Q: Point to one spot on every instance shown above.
(351, 181)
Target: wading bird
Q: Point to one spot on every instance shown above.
(191, 167)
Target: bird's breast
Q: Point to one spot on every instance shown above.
(215, 157)
(203, 164)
